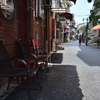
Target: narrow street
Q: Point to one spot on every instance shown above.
(74, 76)
(87, 62)
(33, 57)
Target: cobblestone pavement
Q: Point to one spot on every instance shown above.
(74, 76)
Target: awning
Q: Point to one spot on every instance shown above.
(66, 15)
(97, 27)
(59, 10)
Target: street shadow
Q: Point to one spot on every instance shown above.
(62, 84)
(90, 55)
(56, 57)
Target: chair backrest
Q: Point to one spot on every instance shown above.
(35, 45)
(23, 49)
(4, 56)
(34, 42)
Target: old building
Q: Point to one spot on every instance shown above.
(27, 20)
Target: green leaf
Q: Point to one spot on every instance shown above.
(65, 1)
(96, 3)
(93, 18)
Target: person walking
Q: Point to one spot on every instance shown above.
(80, 38)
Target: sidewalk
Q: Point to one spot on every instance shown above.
(74, 76)
(62, 84)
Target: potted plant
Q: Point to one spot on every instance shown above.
(65, 40)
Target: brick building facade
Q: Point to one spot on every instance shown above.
(24, 25)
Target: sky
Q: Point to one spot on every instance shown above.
(81, 10)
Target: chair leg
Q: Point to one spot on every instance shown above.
(45, 70)
(28, 88)
(47, 63)
(47, 66)
(39, 81)
(9, 83)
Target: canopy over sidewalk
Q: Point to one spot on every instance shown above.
(97, 27)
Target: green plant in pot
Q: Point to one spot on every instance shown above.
(65, 40)
(71, 37)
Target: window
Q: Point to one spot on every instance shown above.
(7, 7)
(41, 9)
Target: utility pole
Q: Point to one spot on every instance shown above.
(87, 33)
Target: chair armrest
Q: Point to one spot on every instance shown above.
(43, 50)
(21, 61)
(38, 49)
(18, 60)
(35, 60)
(28, 61)
(34, 57)
(45, 53)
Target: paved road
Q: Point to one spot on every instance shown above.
(74, 76)
(87, 60)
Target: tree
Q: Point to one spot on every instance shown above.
(96, 4)
(93, 18)
(84, 29)
(77, 31)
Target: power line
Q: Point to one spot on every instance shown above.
(82, 9)
(79, 9)
(81, 15)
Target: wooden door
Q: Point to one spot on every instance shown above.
(22, 19)
(53, 28)
(52, 31)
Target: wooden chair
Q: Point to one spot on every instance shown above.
(38, 54)
(35, 45)
(7, 70)
(24, 50)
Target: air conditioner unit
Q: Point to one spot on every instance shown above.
(48, 3)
